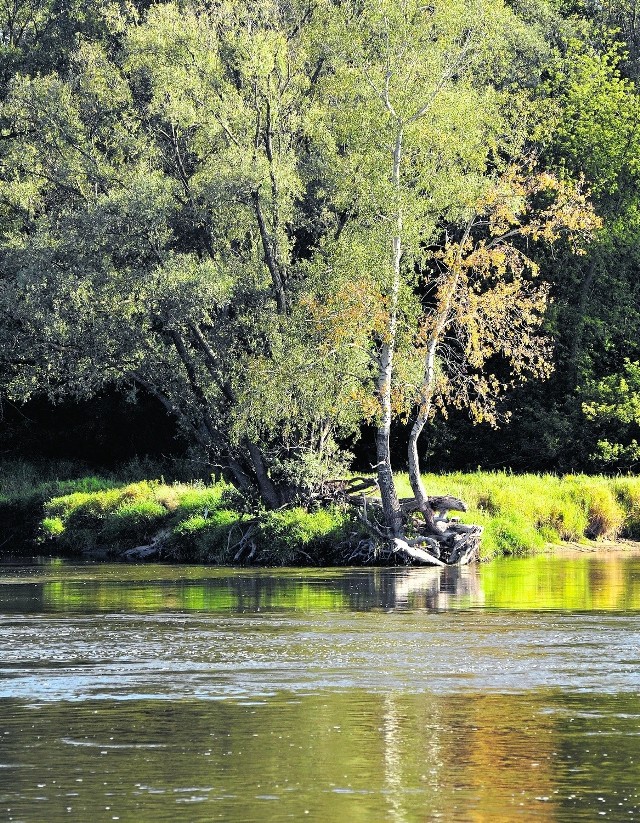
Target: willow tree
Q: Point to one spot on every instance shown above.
(162, 203)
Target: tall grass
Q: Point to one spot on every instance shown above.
(194, 521)
(521, 513)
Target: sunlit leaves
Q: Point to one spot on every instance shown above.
(487, 300)
(205, 203)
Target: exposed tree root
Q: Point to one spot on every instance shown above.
(435, 541)
(448, 543)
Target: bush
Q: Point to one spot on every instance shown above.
(298, 536)
(125, 516)
(627, 491)
(52, 526)
(597, 499)
(511, 534)
(207, 539)
(134, 522)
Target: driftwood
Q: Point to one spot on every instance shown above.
(441, 505)
(149, 550)
(451, 543)
(142, 552)
(404, 548)
(457, 544)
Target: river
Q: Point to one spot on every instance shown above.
(499, 692)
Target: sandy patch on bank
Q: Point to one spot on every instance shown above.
(595, 547)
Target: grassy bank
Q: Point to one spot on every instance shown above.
(45, 509)
(527, 512)
(205, 523)
(192, 522)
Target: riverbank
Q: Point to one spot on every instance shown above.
(46, 509)
(600, 548)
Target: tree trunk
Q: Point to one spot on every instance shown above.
(270, 257)
(415, 478)
(390, 502)
(428, 387)
(267, 489)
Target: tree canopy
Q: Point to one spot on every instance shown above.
(286, 219)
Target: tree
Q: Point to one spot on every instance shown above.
(592, 129)
(488, 301)
(613, 404)
(271, 216)
(160, 215)
(424, 131)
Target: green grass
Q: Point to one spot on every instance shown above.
(26, 486)
(198, 522)
(195, 522)
(522, 513)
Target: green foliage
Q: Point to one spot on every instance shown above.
(595, 120)
(627, 491)
(512, 534)
(206, 539)
(523, 513)
(597, 497)
(197, 201)
(613, 404)
(298, 537)
(197, 500)
(21, 479)
(192, 522)
(52, 526)
(185, 193)
(25, 487)
(124, 516)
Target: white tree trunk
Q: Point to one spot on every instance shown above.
(390, 502)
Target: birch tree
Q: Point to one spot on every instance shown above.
(427, 137)
(419, 131)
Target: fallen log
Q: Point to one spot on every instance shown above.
(403, 547)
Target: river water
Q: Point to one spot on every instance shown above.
(500, 692)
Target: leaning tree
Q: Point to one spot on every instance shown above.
(279, 219)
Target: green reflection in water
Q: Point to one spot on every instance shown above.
(347, 756)
(353, 754)
(583, 583)
(211, 596)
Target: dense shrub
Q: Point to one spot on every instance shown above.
(207, 537)
(296, 536)
(192, 520)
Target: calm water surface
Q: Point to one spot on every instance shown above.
(508, 691)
